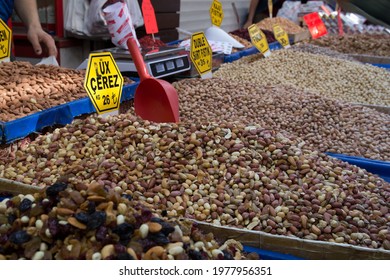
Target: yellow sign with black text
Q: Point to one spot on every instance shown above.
(259, 40)
(103, 82)
(216, 13)
(201, 54)
(281, 36)
(5, 40)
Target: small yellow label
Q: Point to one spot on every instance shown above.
(201, 54)
(259, 40)
(5, 40)
(216, 13)
(281, 36)
(103, 82)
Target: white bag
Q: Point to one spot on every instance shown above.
(290, 10)
(119, 23)
(135, 13)
(96, 24)
(85, 18)
(94, 20)
(74, 16)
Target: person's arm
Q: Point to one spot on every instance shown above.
(28, 12)
(251, 14)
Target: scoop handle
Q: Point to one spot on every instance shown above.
(270, 6)
(138, 59)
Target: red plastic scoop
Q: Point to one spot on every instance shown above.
(155, 100)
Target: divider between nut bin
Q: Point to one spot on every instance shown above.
(58, 115)
(380, 168)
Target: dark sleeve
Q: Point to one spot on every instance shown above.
(6, 8)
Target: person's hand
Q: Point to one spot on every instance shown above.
(38, 36)
(247, 24)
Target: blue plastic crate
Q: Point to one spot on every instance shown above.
(270, 255)
(232, 57)
(386, 66)
(59, 115)
(380, 168)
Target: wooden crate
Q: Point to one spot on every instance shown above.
(303, 248)
(15, 188)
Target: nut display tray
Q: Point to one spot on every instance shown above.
(59, 115)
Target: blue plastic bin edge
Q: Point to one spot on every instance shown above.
(380, 168)
(386, 66)
(270, 255)
(2, 132)
(62, 114)
(253, 50)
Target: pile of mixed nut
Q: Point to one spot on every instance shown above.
(228, 174)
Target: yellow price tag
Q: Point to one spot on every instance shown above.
(103, 82)
(259, 40)
(5, 41)
(216, 13)
(201, 54)
(281, 36)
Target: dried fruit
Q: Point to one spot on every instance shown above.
(25, 205)
(54, 190)
(19, 237)
(96, 220)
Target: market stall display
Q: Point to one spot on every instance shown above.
(227, 174)
(270, 153)
(93, 223)
(331, 77)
